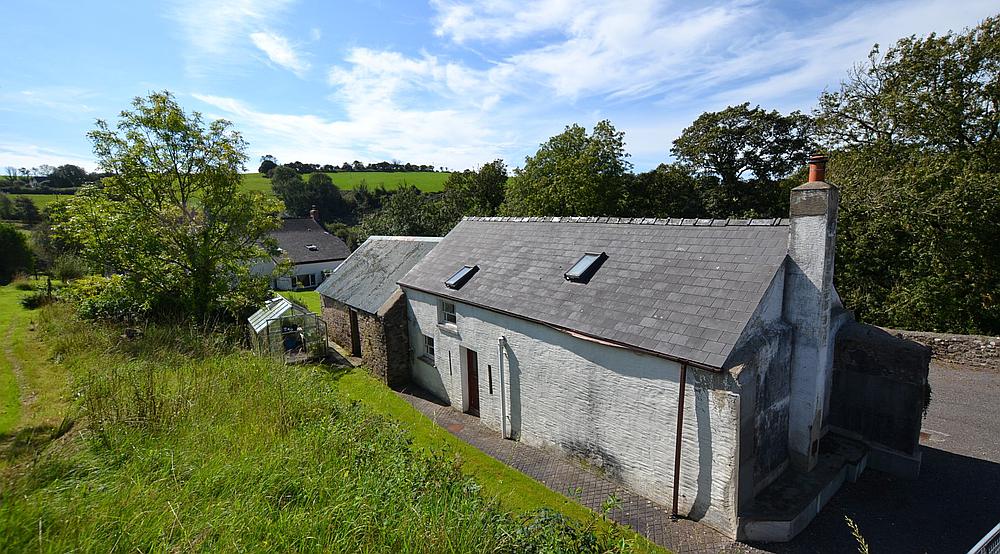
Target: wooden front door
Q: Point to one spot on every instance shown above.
(472, 366)
(355, 335)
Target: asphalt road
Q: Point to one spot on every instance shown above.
(956, 499)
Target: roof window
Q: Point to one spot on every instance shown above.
(585, 267)
(461, 276)
(312, 247)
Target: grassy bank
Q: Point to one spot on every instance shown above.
(423, 180)
(181, 442)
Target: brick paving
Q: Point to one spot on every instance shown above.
(579, 482)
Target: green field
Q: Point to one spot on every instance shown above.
(42, 200)
(423, 180)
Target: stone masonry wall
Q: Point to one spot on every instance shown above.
(974, 350)
(338, 320)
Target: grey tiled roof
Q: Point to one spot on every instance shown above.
(684, 289)
(296, 233)
(368, 277)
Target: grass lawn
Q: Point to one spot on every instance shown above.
(310, 299)
(42, 200)
(426, 181)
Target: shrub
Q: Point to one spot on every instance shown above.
(98, 297)
(23, 285)
(68, 268)
(36, 300)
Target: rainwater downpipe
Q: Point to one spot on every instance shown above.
(501, 342)
(677, 440)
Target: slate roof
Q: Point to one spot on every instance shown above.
(368, 277)
(296, 233)
(683, 289)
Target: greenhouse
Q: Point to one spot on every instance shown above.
(284, 328)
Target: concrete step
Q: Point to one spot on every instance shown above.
(787, 506)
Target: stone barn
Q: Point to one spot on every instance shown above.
(364, 308)
(692, 360)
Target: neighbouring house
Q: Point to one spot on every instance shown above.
(364, 308)
(313, 252)
(628, 342)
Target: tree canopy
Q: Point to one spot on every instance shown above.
(572, 174)
(15, 254)
(914, 138)
(300, 196)
(172, 219)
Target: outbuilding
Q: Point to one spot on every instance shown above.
(364, 308)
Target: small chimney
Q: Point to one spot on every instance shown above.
(817, 167)
(808, 297)
(314, 214)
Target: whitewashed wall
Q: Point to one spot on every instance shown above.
(285, 283)
(615, 407)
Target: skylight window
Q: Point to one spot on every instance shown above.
(312, 247)
(585, 267)
(461, 276)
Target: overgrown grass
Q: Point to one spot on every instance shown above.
(423, 180)
(184, 443)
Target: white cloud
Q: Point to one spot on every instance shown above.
(21, 154)
(55, 101)
(217, 31)
(280, 51)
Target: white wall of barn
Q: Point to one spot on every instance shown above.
(615, 407)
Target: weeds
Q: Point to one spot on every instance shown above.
(856, 533)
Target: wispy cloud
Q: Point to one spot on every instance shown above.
(216, 31)
(280, 51)
(22, 154)
(68, 103)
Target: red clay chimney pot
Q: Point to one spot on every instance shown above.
(817, 168)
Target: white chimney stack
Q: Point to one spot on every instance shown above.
(807, 303)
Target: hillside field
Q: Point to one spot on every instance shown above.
(423, 180)
(42, 200)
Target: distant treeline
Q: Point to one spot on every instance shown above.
(47, 179)
(269, 162)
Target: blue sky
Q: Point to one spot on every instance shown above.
(451, 83)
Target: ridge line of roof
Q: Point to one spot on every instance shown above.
(405, 238)
(673, 221)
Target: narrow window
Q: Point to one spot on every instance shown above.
(461, 276)
(585, 267)
(429, 348)
(448, 313)
(489, 375)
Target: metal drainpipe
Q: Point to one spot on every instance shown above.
(503, 395)
(677, 443)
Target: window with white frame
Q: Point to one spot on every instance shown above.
(428, 348)
(448, 314)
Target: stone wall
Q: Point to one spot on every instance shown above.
(613, 407)
(974, 350)
(338, 320)
(385, 346)
(879, 387)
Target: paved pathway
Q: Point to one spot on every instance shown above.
(576, 481)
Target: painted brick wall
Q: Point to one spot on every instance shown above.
(614, 407)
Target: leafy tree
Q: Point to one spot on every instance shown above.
(7, 209)
(749, 150)
(172, 220)
(25, 210)
(572, 174)
(915, 138)
(301, 196)
(11, 173)
(267, 163)
(668, 191)
(479, 192)
(67, 176)
(15, 255)
(407, 211)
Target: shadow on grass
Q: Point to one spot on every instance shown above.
(28, 442)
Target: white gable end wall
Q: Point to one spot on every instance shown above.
(614, 407)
